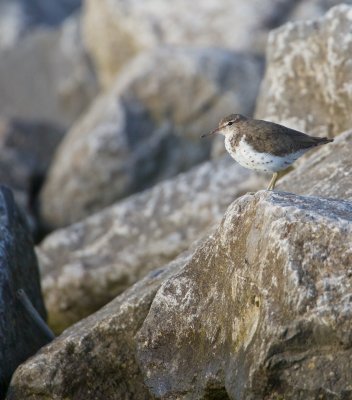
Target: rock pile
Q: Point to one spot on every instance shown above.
(215, 293)
(262, 306)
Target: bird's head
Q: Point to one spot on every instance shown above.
(227, 125)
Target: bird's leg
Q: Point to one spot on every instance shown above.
(273, 181)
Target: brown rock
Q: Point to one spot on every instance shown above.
(87, 264)
(263, 308)
(307, 84)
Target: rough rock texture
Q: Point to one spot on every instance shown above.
(87, 264)
(262, 310)
(47, 76)
(147, 128)
(95, 359)
(19, 336)
(309, 73)
(17, 17)
(326, 172)
(115, 31)
(26, 149)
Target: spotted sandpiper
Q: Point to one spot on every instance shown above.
(263, 145)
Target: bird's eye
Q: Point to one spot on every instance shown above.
(229, 123)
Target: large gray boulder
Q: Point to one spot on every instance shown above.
(47, 76)
(147, 128)
(20, 337)
(262, 310)
(96, 358)
(307, 84)
(325, 173)
(87, 264)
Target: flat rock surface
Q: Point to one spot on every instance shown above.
(326, 172)
(147, 128)
(87, 264)
(262, 310)
(307, 85)
(19, 336)
(95, 359)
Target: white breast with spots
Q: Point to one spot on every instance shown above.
(249, 158)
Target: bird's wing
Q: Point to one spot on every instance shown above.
(279, 140)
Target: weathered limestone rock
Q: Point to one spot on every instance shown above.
(262, 310)
(327, 172)
(307, 84)
(95, 359)
(147, 128)
(26, 148)
(87, 264)
(115, 31)
(47, 76)
(19, 336)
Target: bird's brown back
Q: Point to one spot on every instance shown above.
(268, 137)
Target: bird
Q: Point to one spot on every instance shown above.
(263, 145)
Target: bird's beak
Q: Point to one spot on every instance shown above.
(211, 133)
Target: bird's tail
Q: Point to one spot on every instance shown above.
(323, 140)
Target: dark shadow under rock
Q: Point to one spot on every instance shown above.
(20, 337)
(26, 150)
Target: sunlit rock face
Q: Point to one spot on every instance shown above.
(308, 80)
